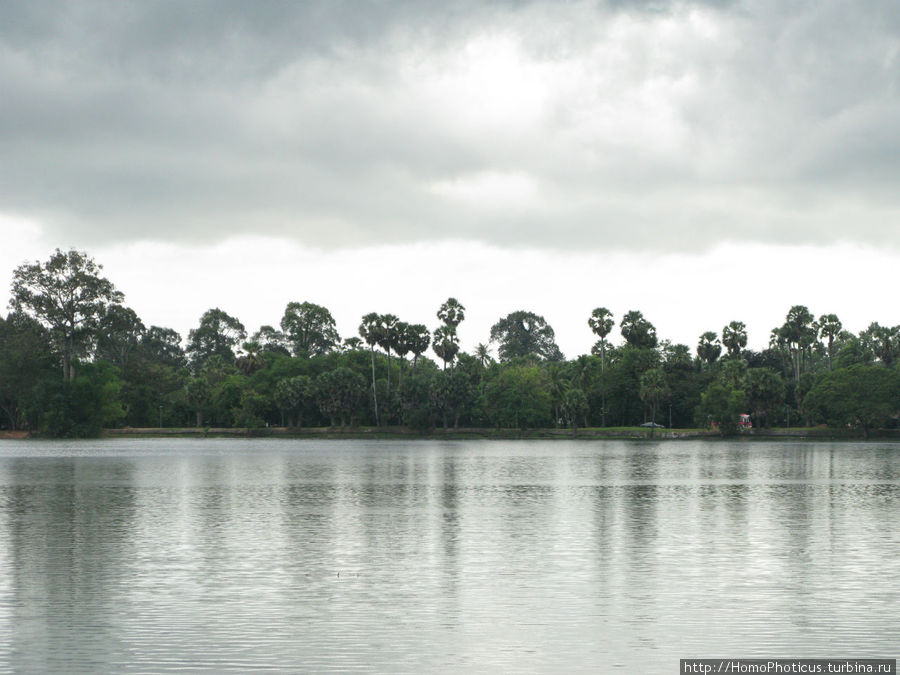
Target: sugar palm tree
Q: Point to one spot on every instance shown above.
(370, 332)
(654, 389)
(829, 328)
(709, 348)
(602, 323)
(734, 338)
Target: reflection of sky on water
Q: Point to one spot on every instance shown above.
(436, 556)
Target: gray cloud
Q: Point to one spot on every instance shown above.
(621, 124)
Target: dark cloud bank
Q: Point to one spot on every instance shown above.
(644, 124)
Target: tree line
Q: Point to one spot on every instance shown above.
(75, 359)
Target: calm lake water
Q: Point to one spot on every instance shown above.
(227, 555)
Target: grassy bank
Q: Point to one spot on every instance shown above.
(399, 432)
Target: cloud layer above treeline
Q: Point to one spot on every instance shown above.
(585, 124)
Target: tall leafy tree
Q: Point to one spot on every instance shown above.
(310, 329)
(734, 338)
(26, 358)
(162, 345)
(637, 331)
(859, 396)
(270, 340)
(217, 335)
(518, 398)
(524, 334)
(119, 333)
(66, 294)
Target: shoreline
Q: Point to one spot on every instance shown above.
(477, 433)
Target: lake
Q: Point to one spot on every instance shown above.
(217, 555)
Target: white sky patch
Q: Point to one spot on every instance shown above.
(491, 190)
(489, 84)
(683, 295)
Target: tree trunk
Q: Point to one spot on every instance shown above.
(374, 389)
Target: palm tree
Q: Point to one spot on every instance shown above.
(799, 333)
(708, 349)
(829, 327)
(602, 323)
(483, 354)
(401, 345)
(734, 337)
(637, 331)
(445, 344)
(370, 331)
(386, 338)
(451, 313)
(654, 388)
(419, 339)
(251, 360)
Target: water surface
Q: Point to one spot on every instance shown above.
(339, 556)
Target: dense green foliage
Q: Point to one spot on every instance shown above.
(74, 359)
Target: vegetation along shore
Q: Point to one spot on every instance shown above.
(75, 360)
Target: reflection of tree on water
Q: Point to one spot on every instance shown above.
(70, 532)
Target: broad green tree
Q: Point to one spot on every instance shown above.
(66, 294)
(860, 396)
(517, 398)
(26, 358)
(721, 406)
(270, 340)
(162, 345)
(119, 332)
(525, 334)
(217, 335)
(309, 328)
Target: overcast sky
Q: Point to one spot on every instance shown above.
(698, 161)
